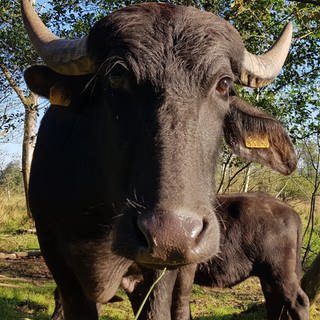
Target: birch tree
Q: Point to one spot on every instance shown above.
(15, 55)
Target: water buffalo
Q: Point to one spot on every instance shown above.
(259, 236)
(124, 164)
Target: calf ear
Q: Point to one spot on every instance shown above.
(255, 136)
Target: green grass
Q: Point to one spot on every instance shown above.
(118, 310)
(13, 216)
(25, 299)
(18, 242)
(21, 299)
(242, 302)
(14, 224)
(28, 300)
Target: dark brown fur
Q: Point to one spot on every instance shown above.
(260, 236)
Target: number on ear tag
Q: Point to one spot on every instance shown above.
(255, 141)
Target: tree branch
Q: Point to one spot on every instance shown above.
(235, 175)
(224, 172)
(13, 84)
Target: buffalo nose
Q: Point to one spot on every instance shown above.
(171, 237)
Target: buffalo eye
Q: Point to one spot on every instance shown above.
(116, 82)
(119, 79)
(223, 86)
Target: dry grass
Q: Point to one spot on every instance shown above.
(13, 215)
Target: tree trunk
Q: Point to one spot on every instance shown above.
(310, 282)
(30, 104)
(29, 139)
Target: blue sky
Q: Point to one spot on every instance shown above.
(9, 152)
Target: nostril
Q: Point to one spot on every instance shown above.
(193, 227)
(200, 235)
(189, 223)
(142, 233)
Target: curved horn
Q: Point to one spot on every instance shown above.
(68, 57)
(258, 71)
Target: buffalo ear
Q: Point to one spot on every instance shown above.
(40, 79)
(58, 88)
(255, 136)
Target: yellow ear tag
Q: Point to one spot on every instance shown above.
(59, 96)
(255, 141)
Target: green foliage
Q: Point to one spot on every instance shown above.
(15, 49)
(15, 54)
(11, 179)
(293, 97)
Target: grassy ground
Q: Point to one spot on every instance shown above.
(25, 299)
(13, 218)
(22, 298)
(26, 288)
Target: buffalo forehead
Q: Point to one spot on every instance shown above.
(156, 38)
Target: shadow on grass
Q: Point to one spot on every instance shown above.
(254, 312)
(13, 309)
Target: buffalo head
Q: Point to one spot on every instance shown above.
(131, 161)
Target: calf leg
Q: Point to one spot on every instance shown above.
(298, 306)
(274, 302)
(285, 300)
